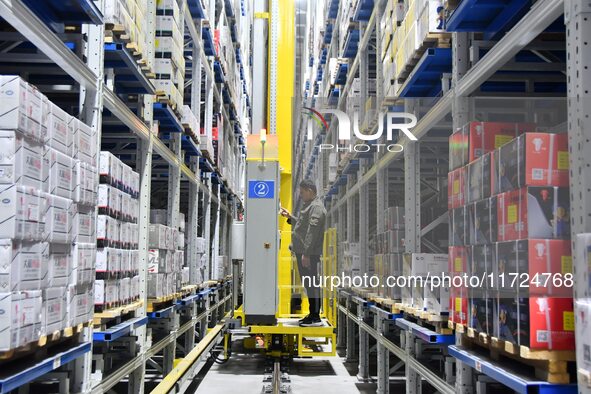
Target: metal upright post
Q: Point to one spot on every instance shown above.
(91, 105)
(174, 183)
(383, 356)
(578, 30)
(460, 115)
(193, 224)
(207, 225)
(412, 212)
(363, 373)
(352, 354)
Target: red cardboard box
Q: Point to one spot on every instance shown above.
(533, 267)
(551, 324)
(458, 259)
(456, 188)
(533, 159)
(533, 212)
(478, 138)
(478, 179)
(458, 305)
(458, 226)
(482, 222)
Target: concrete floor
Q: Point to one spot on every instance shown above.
(244, 373)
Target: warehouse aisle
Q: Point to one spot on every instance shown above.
(326, 375)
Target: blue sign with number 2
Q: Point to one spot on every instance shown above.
(261, 189)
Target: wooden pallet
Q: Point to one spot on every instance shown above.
(158, 303)
(432, 40)
(44, 341)
(457, 327)
(433, 321)
(115, 33)
(113, 313)
(388, 304)
(549, 365)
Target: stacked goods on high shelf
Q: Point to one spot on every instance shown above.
(166, 256)
(345, 23)
(509, 202)
(422, 293)
(389, 249)
(408, 29)
(117, 259)
(226, 55)
(48, 197)
(222, 268)
(169, 64)
(127, 21)
(190, 124)
(206, 142)
(351, 258)
(217, 134)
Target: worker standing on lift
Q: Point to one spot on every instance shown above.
(307, 242)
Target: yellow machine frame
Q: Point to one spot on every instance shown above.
(295, 337)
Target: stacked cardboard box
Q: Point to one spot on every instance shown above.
(406, 27)
(48, 195)
(132, 16)
(117, 258)
(389, 249)
(163, 263)
(169, 64)
(511, 227)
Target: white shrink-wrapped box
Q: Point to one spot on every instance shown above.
(22, 213)
(21, 160)
(22, 107)
(59, 218)
(23, 265)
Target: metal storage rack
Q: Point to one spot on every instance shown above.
(364, 183)
(211, 203)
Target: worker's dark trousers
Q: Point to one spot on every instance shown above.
(313, 292)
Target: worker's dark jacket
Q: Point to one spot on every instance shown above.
(308, 229)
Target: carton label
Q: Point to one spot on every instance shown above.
(458, 304)
(501, 139)
(458, 264)
(562, 160)
(568, 321)
(566, 263)
(512, 214)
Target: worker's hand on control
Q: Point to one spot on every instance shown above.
(305, 261)
(285, 213)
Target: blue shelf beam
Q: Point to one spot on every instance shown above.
(129, 78)
(489, 17)
(515, 381)
(196, 9)
(333, 9)
(363, 11)
(328, 33)
(168, 121)
(56, 13)
(162, 313)
(120, 330)
(208, 44)
(425, 334)
(11, 379)
(351, 43)
(342, 70)
(205, 165)
(218, 72)
(425, 79)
